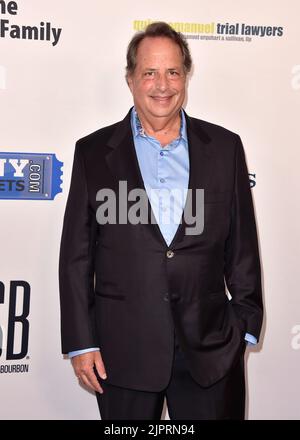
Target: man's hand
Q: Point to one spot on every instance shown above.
(84, 364)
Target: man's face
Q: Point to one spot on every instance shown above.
(158, 82)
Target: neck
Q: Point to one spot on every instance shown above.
(161, 126)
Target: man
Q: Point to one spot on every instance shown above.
(150, 295)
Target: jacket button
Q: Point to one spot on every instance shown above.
(166, 297)
(170, 254)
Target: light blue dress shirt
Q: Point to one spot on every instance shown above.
(165, 172)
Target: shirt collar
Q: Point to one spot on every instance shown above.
(138, 129)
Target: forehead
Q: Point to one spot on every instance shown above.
(158, 49)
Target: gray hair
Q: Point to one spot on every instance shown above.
(157, 29)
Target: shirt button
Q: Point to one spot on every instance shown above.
(170, 254)
(162, 153)
(162, 180)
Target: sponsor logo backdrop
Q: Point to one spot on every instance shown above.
(61, 77)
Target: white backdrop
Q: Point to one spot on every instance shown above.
(51, 95)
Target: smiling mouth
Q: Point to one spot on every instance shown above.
(161, 98)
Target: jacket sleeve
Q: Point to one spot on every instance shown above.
(242, 261)
(76, 263)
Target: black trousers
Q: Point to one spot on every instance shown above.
(186, 399)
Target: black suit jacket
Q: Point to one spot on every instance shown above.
(121, 292)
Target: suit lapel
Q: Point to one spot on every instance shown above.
(122, 160)
(123, 164)
(201, 168)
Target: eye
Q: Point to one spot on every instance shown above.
(149, 73)
(173, 73)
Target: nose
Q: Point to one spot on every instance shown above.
(161, 82)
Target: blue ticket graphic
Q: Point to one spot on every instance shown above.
(30, 176)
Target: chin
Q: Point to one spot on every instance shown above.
(163, 111)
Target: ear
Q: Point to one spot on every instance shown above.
(129, 81)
